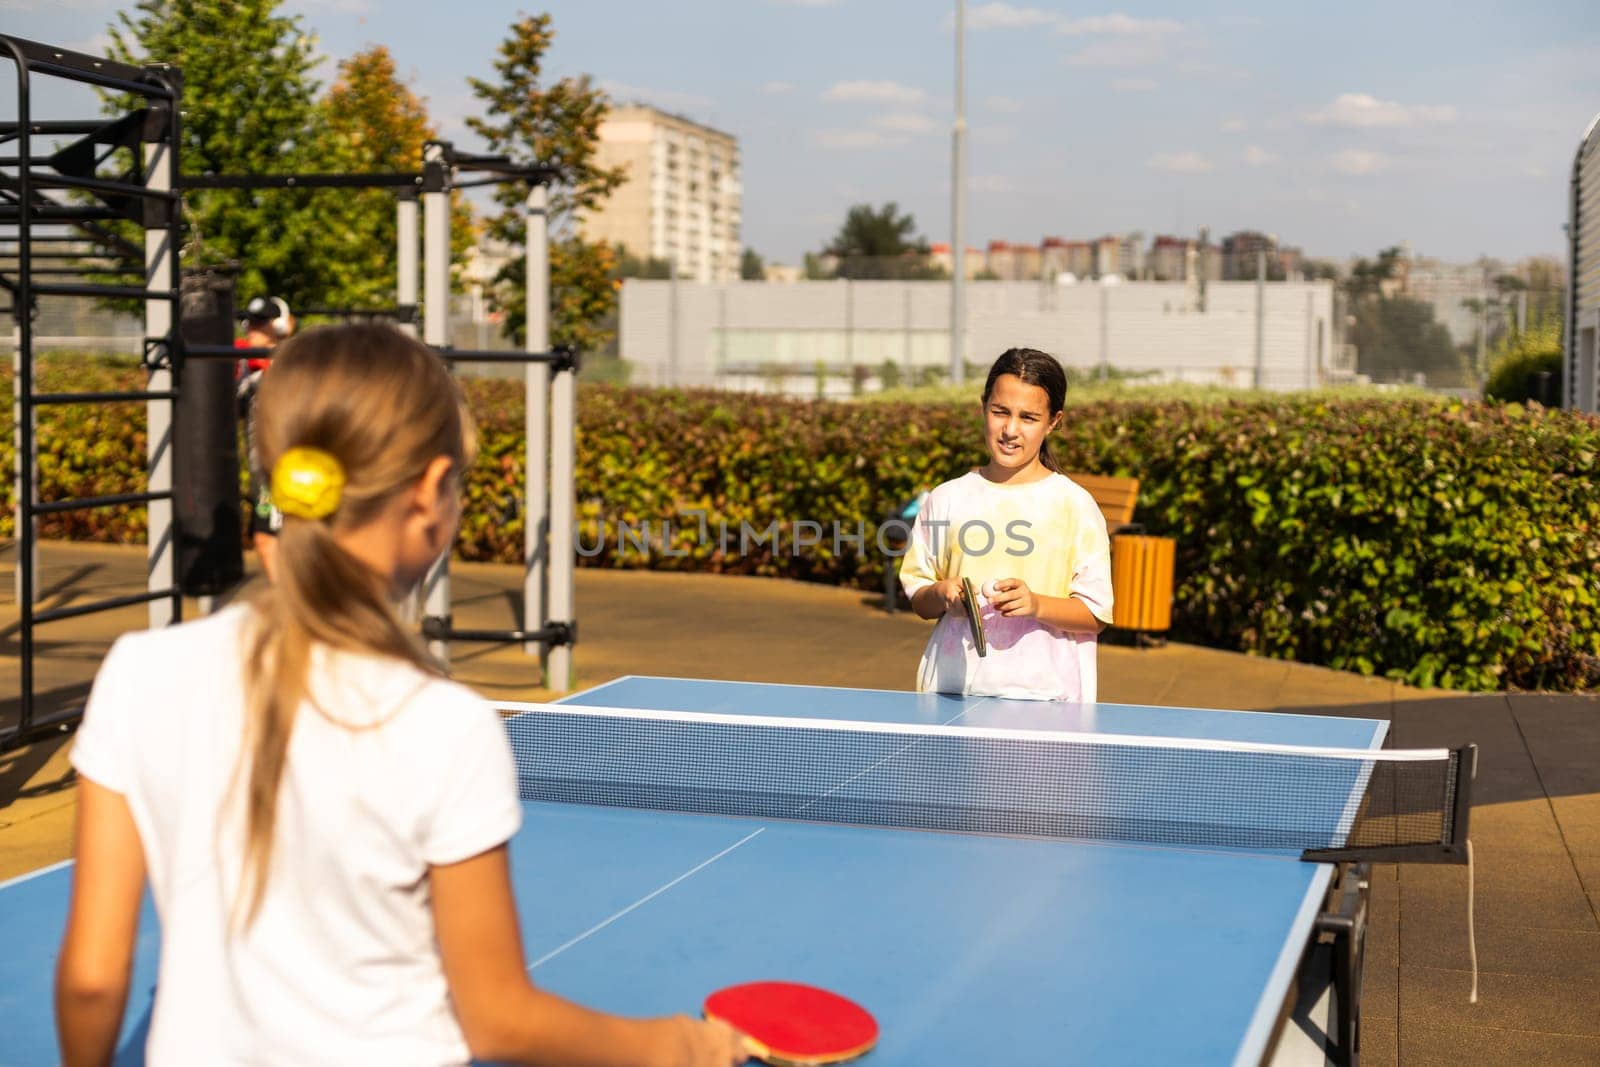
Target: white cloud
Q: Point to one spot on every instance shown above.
(991, 183)
(878, 91)
(1003, 104)
(1363, 110)
(671, 99)
(777, 88)
(1120, 52)
(1257, 156)
(1133, 85)
(904, 122)
(1119, 25)
(1359, 161)
(851, 140)
(1179, 163)
(1001, 16)
(1234, 125)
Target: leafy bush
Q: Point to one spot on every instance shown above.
(1434, 542)
(1521, 357)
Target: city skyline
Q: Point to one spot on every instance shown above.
(1449, 127)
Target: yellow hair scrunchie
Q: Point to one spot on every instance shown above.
(307, 483)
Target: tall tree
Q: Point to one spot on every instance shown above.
(556, 124)
(373, 124)
(248, 108)
(1396, 336)
(880, 243)
(751, 267)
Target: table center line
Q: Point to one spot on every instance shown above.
(602, 924)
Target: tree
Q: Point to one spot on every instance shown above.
(629, 265)
(751, 268)
(880, 244)
(248, 108)
(373, 124)
(556, 124)
(1395, 336)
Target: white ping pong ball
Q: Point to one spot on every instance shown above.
(990, 588)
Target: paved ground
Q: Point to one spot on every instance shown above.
(1536, 821)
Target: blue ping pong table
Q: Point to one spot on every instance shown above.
(969, 948)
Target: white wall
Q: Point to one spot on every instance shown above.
(736, 334)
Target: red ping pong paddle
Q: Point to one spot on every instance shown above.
(791, 1025)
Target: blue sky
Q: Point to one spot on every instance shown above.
(1340, 128)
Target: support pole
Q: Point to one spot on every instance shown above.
(161, 277)
(563, 514)
(536, 491)
(1261, 317)
(436, 331)
(958, 197)
(406, 256)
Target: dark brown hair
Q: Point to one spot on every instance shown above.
(1038, 368)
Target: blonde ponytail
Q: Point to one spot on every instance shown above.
(384, 407)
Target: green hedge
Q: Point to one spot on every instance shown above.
(1438, 543)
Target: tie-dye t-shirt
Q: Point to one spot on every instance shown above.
(1051, 534)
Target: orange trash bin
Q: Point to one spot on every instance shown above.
(1142, 582)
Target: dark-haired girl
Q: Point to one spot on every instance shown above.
(1031, 540)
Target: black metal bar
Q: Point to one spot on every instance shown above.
(62, 213)
(298, 181)
(439, 628)
(223, 352)
(134, 292)
(26, 444)
(39, 729)
(103, 398)
(111, 604)
(74, 64)
(558, 358)
(75, 272)
(102, 185)
(88, 502)
(50, 128)
(57, 256)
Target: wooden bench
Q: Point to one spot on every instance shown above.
(1116, 497)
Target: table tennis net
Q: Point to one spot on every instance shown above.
(993, 781)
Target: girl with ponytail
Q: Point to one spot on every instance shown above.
(322, 816)
(1032, 543)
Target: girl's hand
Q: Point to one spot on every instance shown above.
(1013, 598)
(710, 1044)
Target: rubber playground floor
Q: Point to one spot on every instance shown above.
(1535, 819)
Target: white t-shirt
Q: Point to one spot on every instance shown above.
(341, 965)
(1052, 535)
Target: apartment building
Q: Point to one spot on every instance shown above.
(681, 200)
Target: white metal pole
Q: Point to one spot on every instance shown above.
(1261, 309)
(406, 256)
(536, 426)
(436, 331)
(1311, 321)
(563, 508)
(161, 276)
(958, 197)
